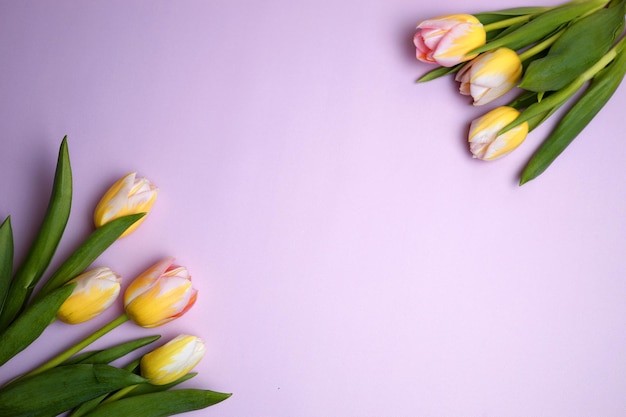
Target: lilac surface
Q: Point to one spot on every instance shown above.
(352, 259)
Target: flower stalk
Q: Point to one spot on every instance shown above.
(68, 353)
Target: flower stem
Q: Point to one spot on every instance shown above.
(505, 23)
(119, 394)
(79, 346)
(530, 52)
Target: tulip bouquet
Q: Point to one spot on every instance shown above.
(84, 383)
(572, 53)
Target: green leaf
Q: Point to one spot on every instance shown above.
(597, 95)
(524, 100)
(439, 72)
(6, 258)
(543, 25)
(31, 323)
(63, 388)
(140, 389)
(148, 388)
(112, 353)
(160, 404)
(45, 244)
(99, 240)
(496, 16)
(580, 46)
(554, 100)
(494, 35)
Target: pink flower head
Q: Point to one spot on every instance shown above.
(446, 40)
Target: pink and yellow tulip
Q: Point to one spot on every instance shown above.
(160, 294)
(447, 40)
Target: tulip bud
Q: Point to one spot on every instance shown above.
(95, 291)
(160, 294)
(129, 195)
(484, 144)
(490, 75)
(446, 40)
(173, 360)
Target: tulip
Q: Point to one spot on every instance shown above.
(490, 75)
(446, 40)
(95, 291)
(173, 360)
(160, 294)
(129, 195)
(486, 144)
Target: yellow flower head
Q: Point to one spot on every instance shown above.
(95, 291)
(173, 360)
(129, 195)
(160, 294)
(486, 144)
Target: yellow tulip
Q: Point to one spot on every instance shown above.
(447, 40)
(173, 360)
(486, 144)
(490, 75)
(95, 291)
(129, 195)
(160, 294)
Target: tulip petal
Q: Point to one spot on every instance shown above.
(448, 39)
(147, 279)
(95, 291)
(159, 295)
(128, 195)
(484, 141)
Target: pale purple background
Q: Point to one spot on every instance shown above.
(352, 259)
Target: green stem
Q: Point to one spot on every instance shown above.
(79, 346)
(507, 22)
(119, 394)
(557, 99)
(541, 46)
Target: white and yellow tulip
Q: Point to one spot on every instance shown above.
(129, 195)
(173, 360)
(490, 75)
(95, 291)
(484, 141)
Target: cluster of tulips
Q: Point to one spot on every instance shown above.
(84, 382)
(571, 53)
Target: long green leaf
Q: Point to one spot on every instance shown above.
(496, 16)
(6, 258)
(147, 388)
(160, 404)
(141, 389)
(597, 95)
(542, 25)
(439, 72)
(580, 46)
(87, 252)
(112, 353)
(45, 244)
(31, 323)
(61, 389)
